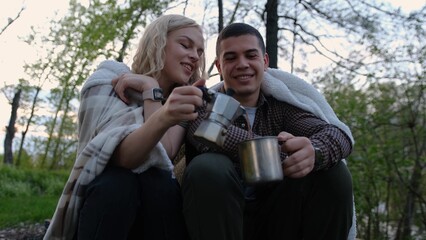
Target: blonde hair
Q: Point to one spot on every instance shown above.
(150, 55)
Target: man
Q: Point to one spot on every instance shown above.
(313, 201)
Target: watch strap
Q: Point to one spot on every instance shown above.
(318, 157)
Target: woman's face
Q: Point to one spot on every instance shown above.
(184, 50)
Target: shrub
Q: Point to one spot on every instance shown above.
(25, 182)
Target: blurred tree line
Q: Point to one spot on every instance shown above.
(366, 57)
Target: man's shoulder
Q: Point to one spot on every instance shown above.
(273, 103)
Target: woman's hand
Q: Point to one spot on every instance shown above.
(137, 82)
(182, 102)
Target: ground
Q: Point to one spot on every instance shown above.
(23, 232)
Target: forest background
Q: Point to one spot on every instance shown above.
(366, 57)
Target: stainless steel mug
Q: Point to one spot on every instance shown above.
(260, 160)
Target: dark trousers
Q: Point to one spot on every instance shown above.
(120, 204)
(318, 206)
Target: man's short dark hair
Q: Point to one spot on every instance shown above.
(236, 30)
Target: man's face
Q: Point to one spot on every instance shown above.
(241, 63)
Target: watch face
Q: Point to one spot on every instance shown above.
(158, 94)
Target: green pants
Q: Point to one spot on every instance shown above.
(318, 206)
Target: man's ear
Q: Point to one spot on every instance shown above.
(217, 63)
(266, 61)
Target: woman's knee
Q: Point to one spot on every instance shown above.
(110, 197)
(114, 183)
(159, 183)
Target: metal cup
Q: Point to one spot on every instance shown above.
(260, 160)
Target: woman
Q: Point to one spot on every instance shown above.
(122, 185)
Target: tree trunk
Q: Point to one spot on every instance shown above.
(56, 156)
(219, 29)
(10, 129)
(406, 221)
(220, 9)
(129, 34)
(272, 32)
(29, 122)
(51, 128)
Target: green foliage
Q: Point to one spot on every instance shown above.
(387, 163)
(380, 47)
(17, 182)
(28, 196)
(101, 30)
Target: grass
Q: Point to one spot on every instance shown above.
(28, 195)
(16, 210)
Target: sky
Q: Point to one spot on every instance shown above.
(14, 53)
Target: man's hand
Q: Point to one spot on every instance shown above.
(301, 155)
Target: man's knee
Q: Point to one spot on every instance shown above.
(209, 165)
(213, 171)
(338, 182)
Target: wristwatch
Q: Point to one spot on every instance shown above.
(154, 94)
(318, 156)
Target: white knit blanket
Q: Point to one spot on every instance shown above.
(104, 120)
(291, 89)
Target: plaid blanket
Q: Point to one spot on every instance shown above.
(104, 121)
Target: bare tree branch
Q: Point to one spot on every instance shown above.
(232, 19)
(11, 20)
